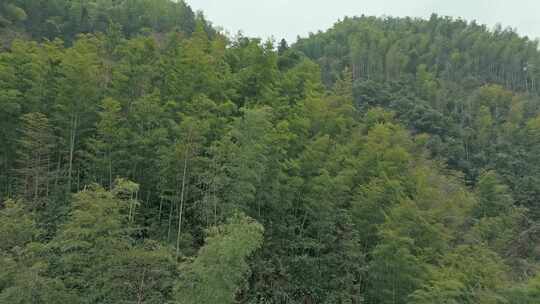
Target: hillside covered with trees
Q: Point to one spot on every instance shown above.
(145, 157)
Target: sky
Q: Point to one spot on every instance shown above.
(290, 18)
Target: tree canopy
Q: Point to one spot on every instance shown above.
(146, 157)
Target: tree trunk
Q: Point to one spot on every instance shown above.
(140, 291)
(181, 204)
(170, 221)
(73, 134)
(160, 208)
(110, 171)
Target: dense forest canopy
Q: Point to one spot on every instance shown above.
(65, 19)
(145, 157)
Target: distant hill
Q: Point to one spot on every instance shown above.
(473, 90)
(49, 19)
(452, 49)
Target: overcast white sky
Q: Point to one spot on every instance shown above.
(289, 18)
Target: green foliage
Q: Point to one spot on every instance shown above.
(494, 198)
(469, 274)
(17, 228)
(34, 157)
(219, 269)
(387, 160)
(472, 90)
(11, 13)
(23, 278)
(66, 19)
(94, 255)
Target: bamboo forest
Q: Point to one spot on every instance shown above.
(147, 156)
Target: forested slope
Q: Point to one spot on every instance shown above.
(65, 19)
(166, 163)
(472, 90)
